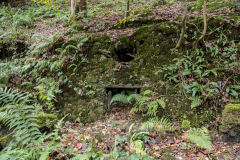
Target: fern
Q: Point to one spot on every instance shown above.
(201, 137)
(147, 103)
(9, 96)
(137, 146)
(196, 101)
(161, 125)
(136, 141)
(120, 98)
(35, 139)
(22, 121)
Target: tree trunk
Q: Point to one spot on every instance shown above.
(127, 8)
(205, 24)
(73, 7)
(180, 41)
(83, 7)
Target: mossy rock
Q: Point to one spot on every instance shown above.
(151, 46)
(84, 111)
(46, 121)
(231, 122)
(99, 44)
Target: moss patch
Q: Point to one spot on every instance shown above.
(231, 122)
(230, 117)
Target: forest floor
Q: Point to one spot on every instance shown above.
(109, 19)
(115, 126)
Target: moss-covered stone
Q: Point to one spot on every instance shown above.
(231, 122)
(150, 45)
(46, 121)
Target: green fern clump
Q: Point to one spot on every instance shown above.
(196, 101)
(201, 137)
(161, 125)
(32, 149)
(148, 104)
(123, 98)
(136, 141)
(23, 20)
(22, 120)
(9, 96)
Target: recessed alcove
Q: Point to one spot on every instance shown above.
(112, 90)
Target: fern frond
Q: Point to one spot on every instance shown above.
(196, 101)
(201, 137)
(137, 147)
(120, 98)
(161, 125)
(23, 121)
(9, 96)
(133, 97)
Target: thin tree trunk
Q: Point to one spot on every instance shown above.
(127, 8)
(73, 7)
(205, 24)
(183, 31)
(83, 7)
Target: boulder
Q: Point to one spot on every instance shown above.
(231, 122)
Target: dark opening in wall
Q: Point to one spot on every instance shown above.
(113, 90)
(125, 54)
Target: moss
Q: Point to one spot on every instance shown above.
(185, 124)
(230, 117)
(152, 46)
(85, 116)
(46, 121)
(167, 28)
(230, 127)
(99, 44)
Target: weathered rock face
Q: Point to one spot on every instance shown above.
(131, 61)
(231, 122)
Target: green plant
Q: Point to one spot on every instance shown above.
(73, 46)
(201, 137)
(31, 149)
(47, 89)
(47, 43)
(123, 98)
(136, 141)
(185, 124)
(22, 119)
(9, 96)
(148, 104)
(196, 101)
(162, 125)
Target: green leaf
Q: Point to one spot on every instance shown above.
(196, 101)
